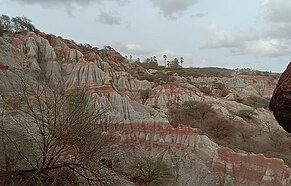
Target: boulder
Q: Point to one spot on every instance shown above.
(280, 103)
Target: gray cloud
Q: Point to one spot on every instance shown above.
(244, 42)
(131, 49)
(170, 8)
(277, 10)
(274, 42)
(263, 48)
(277, 14)
(279, 31)
(67, 2)
(214, 37)
(199, 15)
(109, 19)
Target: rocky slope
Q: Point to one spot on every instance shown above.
(110, 80)
(202, 162)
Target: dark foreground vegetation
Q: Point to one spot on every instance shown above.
(53, 138)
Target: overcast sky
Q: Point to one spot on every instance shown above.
(225, 33)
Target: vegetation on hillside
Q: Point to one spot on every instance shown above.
(200, 115)
(254, 101)
(148, 168)
(176, 66)
(232, 133)
(16, 24)
(53, 138)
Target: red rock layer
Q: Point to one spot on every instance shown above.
(235, 168)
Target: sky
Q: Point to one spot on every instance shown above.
(252, 34)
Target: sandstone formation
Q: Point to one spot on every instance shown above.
(202, 162)
(110, 80)
(281, 101)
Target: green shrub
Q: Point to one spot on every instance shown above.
(145, 94)
(246, 114)
(200, 115)
(148, 77)
(254, 101)
(1, 30)
(189, 113)
(194, 72)
(151, 65)
(223, 91)
(218, 127)
(157, 78)
(151, 170)
(205, 90)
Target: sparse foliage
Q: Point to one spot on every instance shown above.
(189, 113)
(174, 63)
(254, 101)
(181, 60)
(145, 94)
(1, 30)
(218, 127)
(246, 114)
(157, 78)
(205, 90)
(151, 170)
(87, 48)
(106, 47)
(16, 24)
(55, 138)
(281, 140)
(200, 115)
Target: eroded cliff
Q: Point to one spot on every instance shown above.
(112, 84)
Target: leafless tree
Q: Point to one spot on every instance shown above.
(53, 138)
(151, 169)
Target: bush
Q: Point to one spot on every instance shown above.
(1, 30)
(189, 113)
(205, 90)
(246, 114)
(281, 140)
(145, 94)
(151, 170)
(52, 127)
(157, 78)
(16, 24)
(150, 65)
(218, 127)
(223, 91)
(254, 101)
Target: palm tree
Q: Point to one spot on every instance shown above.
(165, 58)
(181, 61)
